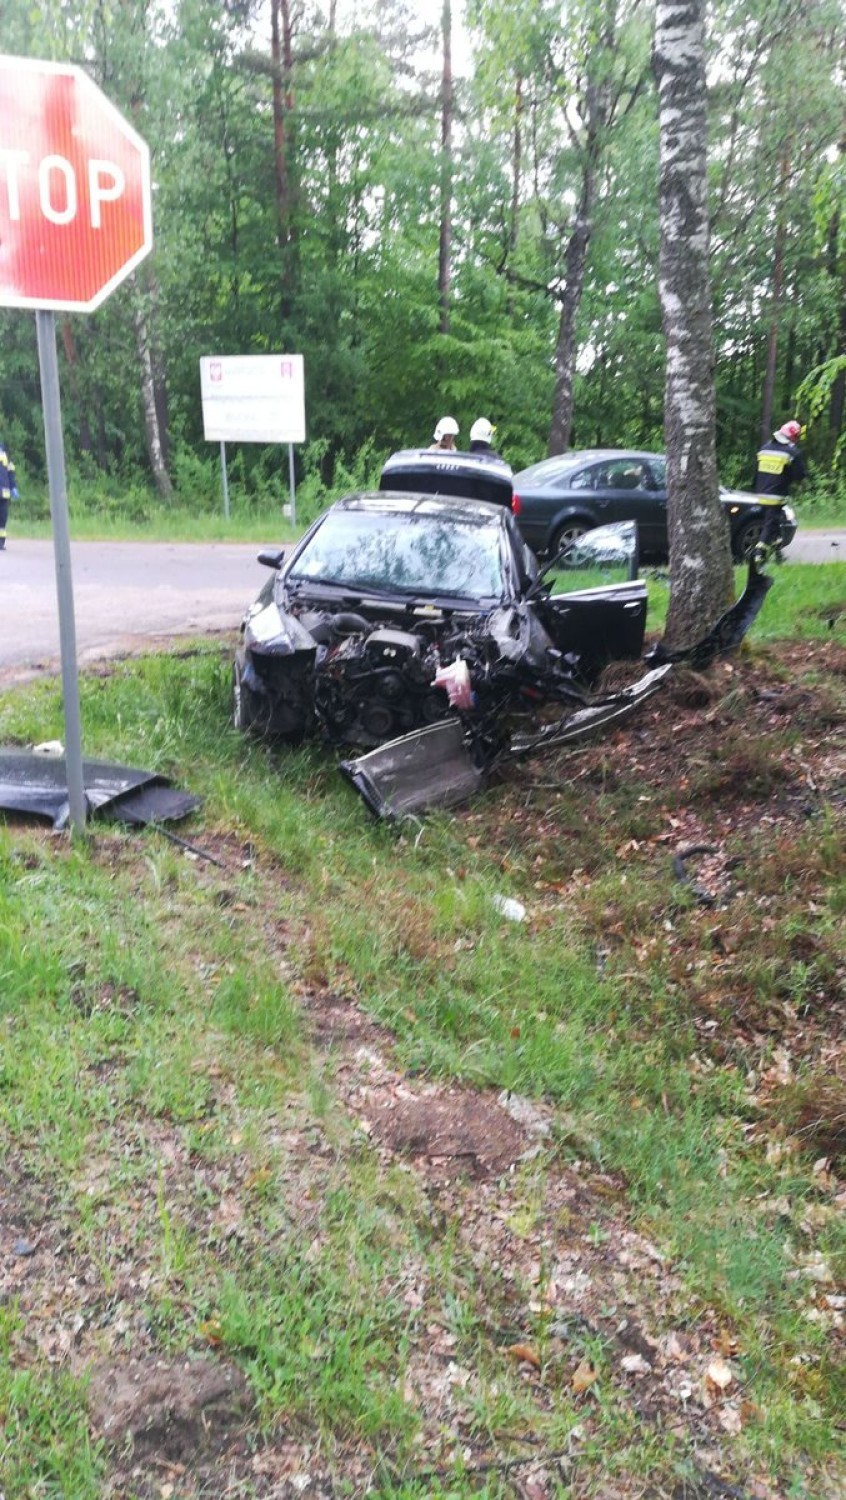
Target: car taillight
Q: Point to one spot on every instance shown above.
(516, 505)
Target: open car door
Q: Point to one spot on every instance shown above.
(591, 600)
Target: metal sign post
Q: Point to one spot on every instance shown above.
(45, 324)
(225, 479)
(291, 484)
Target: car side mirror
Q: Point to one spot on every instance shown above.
(272, 559)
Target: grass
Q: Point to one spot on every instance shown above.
(175, 524)
(808, 601)
(167, 1116)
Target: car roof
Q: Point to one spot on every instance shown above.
(578, 456)
(444, 507)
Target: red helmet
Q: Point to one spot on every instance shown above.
(790, 430)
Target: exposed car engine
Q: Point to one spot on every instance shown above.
(371, 687)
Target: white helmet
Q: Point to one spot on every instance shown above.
(447, 427)
(481, 431)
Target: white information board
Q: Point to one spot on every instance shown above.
(253, 398)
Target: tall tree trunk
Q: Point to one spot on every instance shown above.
(575, 260)
(777, 297)
(516, 172)
(147, 362)
(281, 51)
(445, 247)
(837, 257)
(595, 112)
(700, 560)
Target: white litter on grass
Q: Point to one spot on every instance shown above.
(513, 910)
(525, 1112)
(49, 748)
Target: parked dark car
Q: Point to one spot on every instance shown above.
(561, 498)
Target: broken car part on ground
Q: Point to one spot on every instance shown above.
(419, 621)
(36, 785)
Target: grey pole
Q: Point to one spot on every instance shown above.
(291, 484)
(45, 324)
(225, 480)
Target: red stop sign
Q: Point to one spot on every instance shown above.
(75, 214)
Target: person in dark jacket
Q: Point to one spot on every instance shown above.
(780, 465)
(481, 435)
(8, 491)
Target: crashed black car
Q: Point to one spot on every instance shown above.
(422, 623)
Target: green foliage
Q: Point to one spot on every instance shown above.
(355, 290)
(816, 392)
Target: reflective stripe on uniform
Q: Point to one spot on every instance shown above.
(770, 499)
(773, 463)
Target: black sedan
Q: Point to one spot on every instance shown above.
(360, 634)
(561, 498)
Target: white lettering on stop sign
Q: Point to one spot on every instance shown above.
(58, 194)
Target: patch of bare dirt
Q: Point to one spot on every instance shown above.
(448, 1133)
(172, 1408)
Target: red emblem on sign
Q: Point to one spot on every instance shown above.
(215, 370)
(75, 215)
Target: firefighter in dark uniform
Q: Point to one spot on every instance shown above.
(779, 466)
(8, 491)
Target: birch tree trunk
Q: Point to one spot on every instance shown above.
(150, 398)
(701, 580)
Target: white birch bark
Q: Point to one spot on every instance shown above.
(146, 372)
(700, 562)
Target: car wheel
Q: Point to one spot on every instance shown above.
(746, 539)
(567, 534)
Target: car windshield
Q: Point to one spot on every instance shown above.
(424, 556)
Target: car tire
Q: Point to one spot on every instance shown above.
(569, 532)
(747, 538)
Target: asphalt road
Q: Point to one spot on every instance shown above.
(127, 596)
(130, 596)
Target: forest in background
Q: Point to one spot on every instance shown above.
(432, 241)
